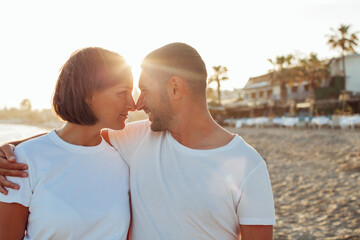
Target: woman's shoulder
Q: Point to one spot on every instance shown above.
(34, 142)
(39, 146)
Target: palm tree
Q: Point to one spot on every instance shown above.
(25, 105)
(345, 41)
(220, 74)
(282, 73)
(210, 94)
(313, 71)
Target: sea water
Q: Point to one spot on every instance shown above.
(11, 132)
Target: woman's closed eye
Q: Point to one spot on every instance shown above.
(122, 93)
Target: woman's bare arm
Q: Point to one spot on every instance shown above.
(13, 220)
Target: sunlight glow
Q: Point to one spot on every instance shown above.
(40, 36)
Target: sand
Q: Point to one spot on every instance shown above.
(315, 177)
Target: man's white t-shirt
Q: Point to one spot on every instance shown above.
(183, 193)
(73, 192)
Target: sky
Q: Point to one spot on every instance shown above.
(37, 37)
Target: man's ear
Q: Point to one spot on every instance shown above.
(175, 87)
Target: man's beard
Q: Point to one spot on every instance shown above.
(163, 114)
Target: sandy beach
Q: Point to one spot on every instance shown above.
(315, 177)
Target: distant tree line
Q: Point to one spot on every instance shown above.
(25, 115)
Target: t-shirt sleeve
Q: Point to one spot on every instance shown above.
(127, 140)
(22, 196)
(256, 204)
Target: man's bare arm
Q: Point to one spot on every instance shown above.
(256, 232)
(8, 166)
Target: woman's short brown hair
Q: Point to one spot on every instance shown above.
(86, 71)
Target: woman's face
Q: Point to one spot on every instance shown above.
(112, 104)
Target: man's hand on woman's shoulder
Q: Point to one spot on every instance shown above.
(8, 167)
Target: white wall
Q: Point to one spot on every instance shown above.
(352, 68)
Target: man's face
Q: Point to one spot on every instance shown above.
(154, 100)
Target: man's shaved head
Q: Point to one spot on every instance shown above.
(177, 59)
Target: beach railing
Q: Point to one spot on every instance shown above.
(343, 122)
(321, 121)
(349, 121)
(290, 121)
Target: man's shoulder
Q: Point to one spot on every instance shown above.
(244, 153)
(130, 129)
(142, 123)
(133, 133)
(136, 128)
(241, 146)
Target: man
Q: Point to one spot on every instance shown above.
(189, 178)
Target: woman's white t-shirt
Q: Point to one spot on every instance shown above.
(73, 192)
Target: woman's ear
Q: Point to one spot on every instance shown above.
(88, 101)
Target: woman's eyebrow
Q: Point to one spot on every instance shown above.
(124, 87)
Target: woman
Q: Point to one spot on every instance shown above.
(67, 194)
